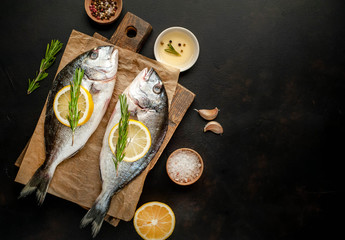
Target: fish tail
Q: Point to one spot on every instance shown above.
(40, 182)
(97, 213)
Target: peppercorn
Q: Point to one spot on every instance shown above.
(170, 41)
(103, 9)
(179, 44)
(184, 44)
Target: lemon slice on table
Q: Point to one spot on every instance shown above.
(138, 140)
(85, 105)
(154, 220)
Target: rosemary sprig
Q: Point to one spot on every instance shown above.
(172, 50)
(123, 132)
(74, 115)
(52, 49)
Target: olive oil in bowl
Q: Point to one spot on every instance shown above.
(177, 47)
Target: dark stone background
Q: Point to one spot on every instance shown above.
(275, 69)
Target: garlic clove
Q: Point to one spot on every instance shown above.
(208, 114)
(214, 126)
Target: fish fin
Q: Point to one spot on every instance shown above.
(40, 182)
(97, 213)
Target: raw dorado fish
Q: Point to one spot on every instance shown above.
(100, 66)
(148, 103)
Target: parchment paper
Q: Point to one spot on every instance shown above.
(78, 179)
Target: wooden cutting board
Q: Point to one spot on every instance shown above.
(182, 98)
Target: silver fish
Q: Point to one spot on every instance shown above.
(147, 102)
(100, 66)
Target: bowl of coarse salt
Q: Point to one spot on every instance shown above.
(184, 166)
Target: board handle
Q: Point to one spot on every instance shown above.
(131, 33)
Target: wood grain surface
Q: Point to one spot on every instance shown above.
(132, 33)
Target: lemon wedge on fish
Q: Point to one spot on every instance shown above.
(138, 140)
(154, 220)
(85, 105)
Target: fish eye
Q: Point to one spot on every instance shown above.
(94, 55)
(157, 88)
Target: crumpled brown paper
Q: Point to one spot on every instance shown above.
(78, 179)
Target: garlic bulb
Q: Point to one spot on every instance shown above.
(214, 126)
(208, 114)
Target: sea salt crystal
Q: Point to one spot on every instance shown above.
(184, 166)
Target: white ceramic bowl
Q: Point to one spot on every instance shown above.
(185, 31)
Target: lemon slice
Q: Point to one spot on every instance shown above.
(154, 220)
(85, 105)
(138, 140)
